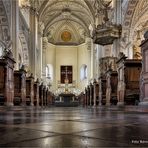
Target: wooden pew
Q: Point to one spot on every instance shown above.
(85, 98)
(81, 98)
(111, 87)
(102, 89)
(128, 80)
(91, 88)
(36, 93)
(95, 93)
(44, 96)
(47, 97)
(88, 95)
(7, 79)
(29, 90)
(20, 87)
(41, 94)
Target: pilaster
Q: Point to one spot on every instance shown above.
(15, 30)
(33, 40)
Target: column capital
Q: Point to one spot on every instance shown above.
(45, 42)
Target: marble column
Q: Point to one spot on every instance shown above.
(108, 89)
(33, 41)
(118, 20)
(44, 44)
(40, 49)
(15, 30)
(121, 81)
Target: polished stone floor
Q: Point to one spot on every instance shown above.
(73, 127)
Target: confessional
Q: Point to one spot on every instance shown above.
(7, 79)
(144, 74)
(129, 71)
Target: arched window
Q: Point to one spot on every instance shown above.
(49, 71)
(83, 72)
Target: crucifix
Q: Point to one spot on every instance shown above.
(66, 80)
(66, 75)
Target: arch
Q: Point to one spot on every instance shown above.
(23, 50)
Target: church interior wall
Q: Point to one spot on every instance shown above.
(66, 55)
(83, 58)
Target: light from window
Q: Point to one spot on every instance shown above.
(83, 72)
(49, 71)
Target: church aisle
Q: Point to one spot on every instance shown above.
(73, 127)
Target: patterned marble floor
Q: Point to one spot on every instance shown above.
(73, 127)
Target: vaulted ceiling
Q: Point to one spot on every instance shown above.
(65, 21)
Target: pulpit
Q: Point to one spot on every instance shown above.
(29, 90)
(19, 87)
(128, 80)
(7, 79)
